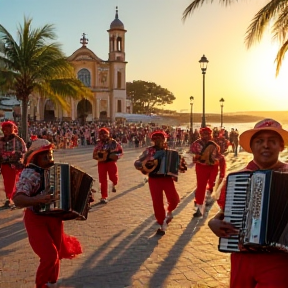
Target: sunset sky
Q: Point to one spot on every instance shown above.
(161, 48)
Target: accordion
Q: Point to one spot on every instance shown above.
(163, 162)
(257, 205)
(169, 162)
(71, 188)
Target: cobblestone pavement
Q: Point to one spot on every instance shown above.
(119, 242)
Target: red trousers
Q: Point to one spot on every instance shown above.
(45, 236)
(259, 270)
(157, 186)
(10, 178)
(112, 170)
(205, 174)
(49, 242)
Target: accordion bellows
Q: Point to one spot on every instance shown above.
(71, 189)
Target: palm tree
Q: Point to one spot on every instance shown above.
(36, 64)
(275, 12)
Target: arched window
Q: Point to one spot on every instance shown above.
(119, 44)
(112, 43)
(84, 77)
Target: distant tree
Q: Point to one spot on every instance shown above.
(147, 95)
(273, 14)
(36, 64)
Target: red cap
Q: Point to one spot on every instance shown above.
(159, 132)
(205, 129)
(8, 123)
(104, 130)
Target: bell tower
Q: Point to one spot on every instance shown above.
(117, 65)
(117, 40)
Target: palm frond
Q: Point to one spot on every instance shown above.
(280, 26)
(197, 3)
(262, 19)
(280, 56)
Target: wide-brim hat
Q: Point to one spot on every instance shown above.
(266, 124)
(37, 146)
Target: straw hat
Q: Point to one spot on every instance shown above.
(37, 146)
(266, 124)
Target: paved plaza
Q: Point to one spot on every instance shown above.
(120, 248)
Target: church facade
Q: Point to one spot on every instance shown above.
(105, 78)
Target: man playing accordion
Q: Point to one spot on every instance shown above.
(45, 233)
(251, 269)
(162, 166)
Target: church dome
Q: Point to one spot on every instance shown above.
(116, 23)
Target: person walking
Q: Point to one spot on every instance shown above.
(12, 149)
(208, 159)
(219, 139)
(107, 151)
(151, 162)
(256, 269)
(235, 141)
(45, 233)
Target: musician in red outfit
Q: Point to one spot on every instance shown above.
(12, 149)
(208, 159)
(251, 270)
(107, 151)
(159, 182)
(45, 233)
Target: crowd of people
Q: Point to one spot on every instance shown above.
(65, 135)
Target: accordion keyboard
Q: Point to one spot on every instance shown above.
(236, 193)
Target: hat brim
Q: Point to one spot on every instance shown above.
(42, 149)
(245, 137)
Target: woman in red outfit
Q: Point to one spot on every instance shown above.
(257, 270)
(45, 233)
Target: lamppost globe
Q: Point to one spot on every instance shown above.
(221, 101)
(203, 65)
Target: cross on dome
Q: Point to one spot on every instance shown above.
(84, 40)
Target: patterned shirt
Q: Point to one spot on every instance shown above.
(206, 153)
(12, 151)
(29, 182)
(111, 145)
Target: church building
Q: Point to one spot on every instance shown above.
(105, 78)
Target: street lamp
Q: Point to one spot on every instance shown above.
(191, 117)
(203, 65)
(221, 101)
